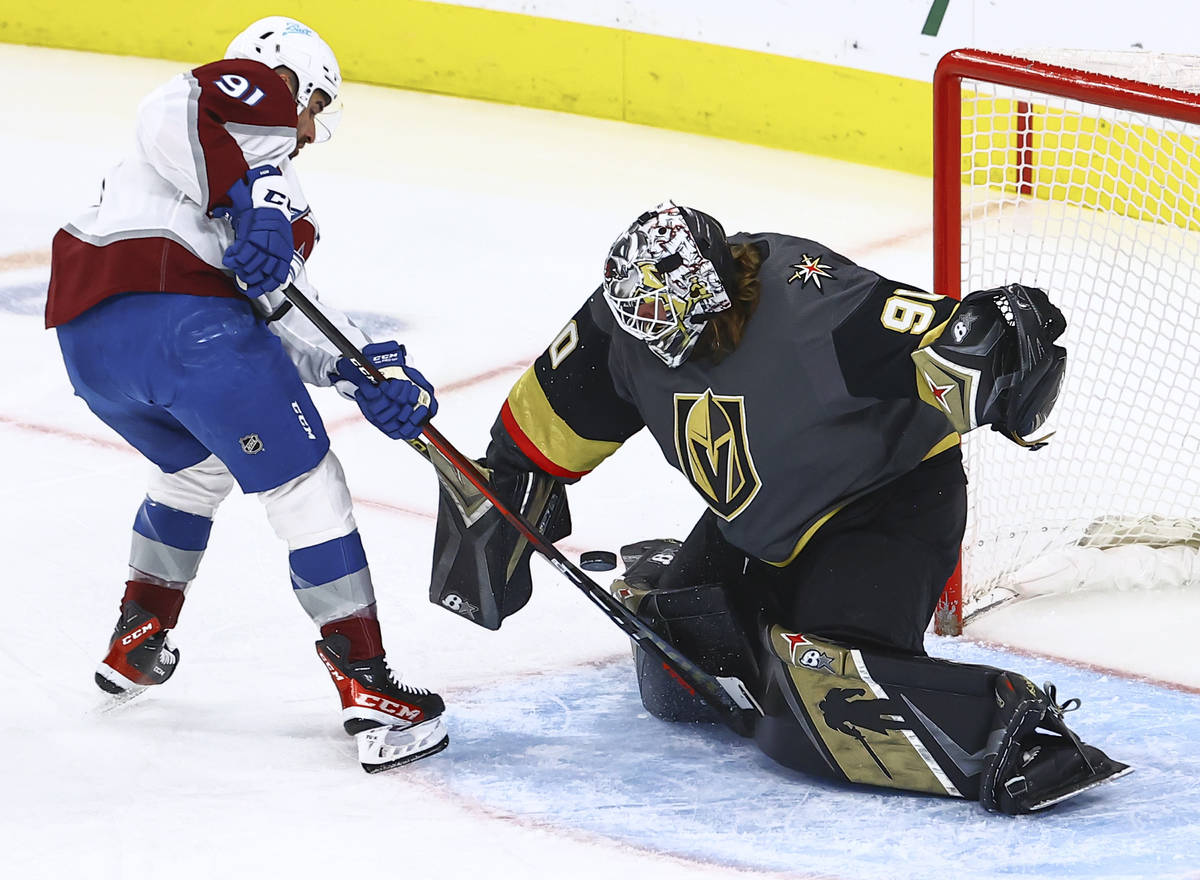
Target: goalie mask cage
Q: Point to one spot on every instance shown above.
(1079, 172)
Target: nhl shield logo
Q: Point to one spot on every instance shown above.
(710, 442)
(251, 444)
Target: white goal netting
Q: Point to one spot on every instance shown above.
(1100, 206)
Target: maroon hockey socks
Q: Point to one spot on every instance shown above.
(361, 631)
(162, 602)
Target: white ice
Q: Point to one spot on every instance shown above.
(471, 232)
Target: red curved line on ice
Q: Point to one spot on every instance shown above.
(1083, 664)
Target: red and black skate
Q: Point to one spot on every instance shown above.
(140, 653)
(393, 723)
(370, 694)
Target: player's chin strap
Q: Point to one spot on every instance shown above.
(729, 697)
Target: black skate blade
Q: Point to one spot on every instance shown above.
(118, 701)
(390, 746)
(115, 697)
(1114, 770)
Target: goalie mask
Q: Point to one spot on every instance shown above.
(666, 276)
(277, 41)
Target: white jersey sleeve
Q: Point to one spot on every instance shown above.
(313, 354)
(198, 136)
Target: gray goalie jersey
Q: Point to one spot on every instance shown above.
(819, 404)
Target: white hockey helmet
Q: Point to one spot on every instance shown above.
(278, 41)
(666, 276)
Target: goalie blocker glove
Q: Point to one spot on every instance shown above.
(995, 362)
(480, 560)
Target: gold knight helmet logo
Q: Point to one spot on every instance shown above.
(651, 277)
(713, 452)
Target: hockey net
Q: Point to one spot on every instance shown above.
(1079, 172)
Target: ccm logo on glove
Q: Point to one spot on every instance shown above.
(401, 404)
(261, 253)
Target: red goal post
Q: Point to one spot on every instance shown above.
(1078, 173)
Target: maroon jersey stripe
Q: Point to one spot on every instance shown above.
(241, 92)
(83, 274)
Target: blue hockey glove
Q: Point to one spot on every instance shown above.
(402, 404)
(261, 253)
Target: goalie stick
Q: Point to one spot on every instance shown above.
(728, 696)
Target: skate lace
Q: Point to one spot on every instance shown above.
(1066, 705)
(399, 685)
(166, 652)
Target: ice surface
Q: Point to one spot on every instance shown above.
(473, 231)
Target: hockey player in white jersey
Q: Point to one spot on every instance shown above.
(167, 299)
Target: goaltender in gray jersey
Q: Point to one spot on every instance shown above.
(816, 407)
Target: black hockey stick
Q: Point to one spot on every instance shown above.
(728, 696)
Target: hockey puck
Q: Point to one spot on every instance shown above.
(598, 560)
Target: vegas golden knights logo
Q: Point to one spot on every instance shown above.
(710, 442)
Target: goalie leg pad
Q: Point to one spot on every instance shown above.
(869, 718)
(646, 561)
(920, 724)
(696, 620)
(1028, 769)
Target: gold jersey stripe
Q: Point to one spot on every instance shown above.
(546, 430)
(947, 442)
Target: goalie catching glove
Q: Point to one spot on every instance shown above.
(995, 363)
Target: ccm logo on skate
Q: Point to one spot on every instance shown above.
(137, 633)
(400, 710)
(333, 670)
(303, 421)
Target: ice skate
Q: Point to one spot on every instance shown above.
(393, 723)
(1055, 769)
(370, 694)
(1039, 760)
(140, 655)
(392, 745)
